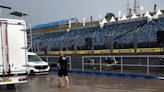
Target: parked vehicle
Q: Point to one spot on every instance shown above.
(36, 65)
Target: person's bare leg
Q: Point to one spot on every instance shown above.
(60, 84)
(66, 81)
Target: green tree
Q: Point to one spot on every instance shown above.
(109, 16)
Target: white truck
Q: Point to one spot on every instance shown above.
(13, 51)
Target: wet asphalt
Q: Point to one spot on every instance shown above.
(86, 83)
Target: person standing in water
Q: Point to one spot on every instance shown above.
(62, 71)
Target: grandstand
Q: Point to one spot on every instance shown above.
(131, 35)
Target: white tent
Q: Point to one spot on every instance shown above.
(134, 16)
(112, 19)
(147, 15)
(124, 18)
(157, 14)
(103, 22)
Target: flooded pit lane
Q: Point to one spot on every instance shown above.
(87, 83)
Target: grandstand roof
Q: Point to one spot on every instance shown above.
(56, 23)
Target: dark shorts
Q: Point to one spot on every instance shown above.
(62, 72)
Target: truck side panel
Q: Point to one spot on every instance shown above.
(17, 52)
(1, 57)
(13, 51)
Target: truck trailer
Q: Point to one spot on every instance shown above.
(13, 51)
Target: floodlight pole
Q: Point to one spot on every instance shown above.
(67, 32)
(22, 16)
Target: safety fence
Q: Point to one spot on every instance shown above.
(117, 64)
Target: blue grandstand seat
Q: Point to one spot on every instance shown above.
(146, 33)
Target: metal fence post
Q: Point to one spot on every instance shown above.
(47, 59)
(100, 65)
(148, 65)
(82, 63)
(70, 63)
(121, 64)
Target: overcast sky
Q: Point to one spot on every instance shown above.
(44, 11)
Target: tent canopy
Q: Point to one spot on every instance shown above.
(157, 14)
(124, 17)
(134, 16)
(147, 15)
(104, 20)
(112, 19)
